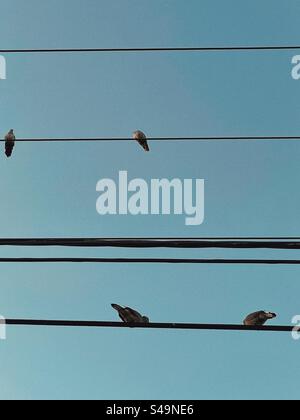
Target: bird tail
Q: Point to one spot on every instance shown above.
(146, 147)
(9, 147)
(117, 307)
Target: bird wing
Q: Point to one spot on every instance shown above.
(134, 315)
(10, 137)
(255, 319)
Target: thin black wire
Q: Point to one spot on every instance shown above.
(148, 261)
(152, 49)
(210, 238)
(180, 326)
(153, 243)
(156, 139)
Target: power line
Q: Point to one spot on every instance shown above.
(148, 261)
(152, 49)
(181, 326)
(156, 139)
(153, 243)
(209, 238)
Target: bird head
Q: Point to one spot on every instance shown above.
(11, 131)
(270, 315)
(139, 134)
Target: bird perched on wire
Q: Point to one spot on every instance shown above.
(141, 138)
(259, 318)
(10, 139)
(129, 315)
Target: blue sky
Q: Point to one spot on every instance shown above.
(50, 190)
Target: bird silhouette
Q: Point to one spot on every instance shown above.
(141, 138)
(259, 318)
(129, 315)
(9, 143)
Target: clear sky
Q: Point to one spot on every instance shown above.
(50, 190)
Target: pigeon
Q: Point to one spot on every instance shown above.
(141, 138)
(259, 318)
(129, 315)
(9, 143)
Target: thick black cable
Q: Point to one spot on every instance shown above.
(148, 261)
(152, 243)
(180, 326)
